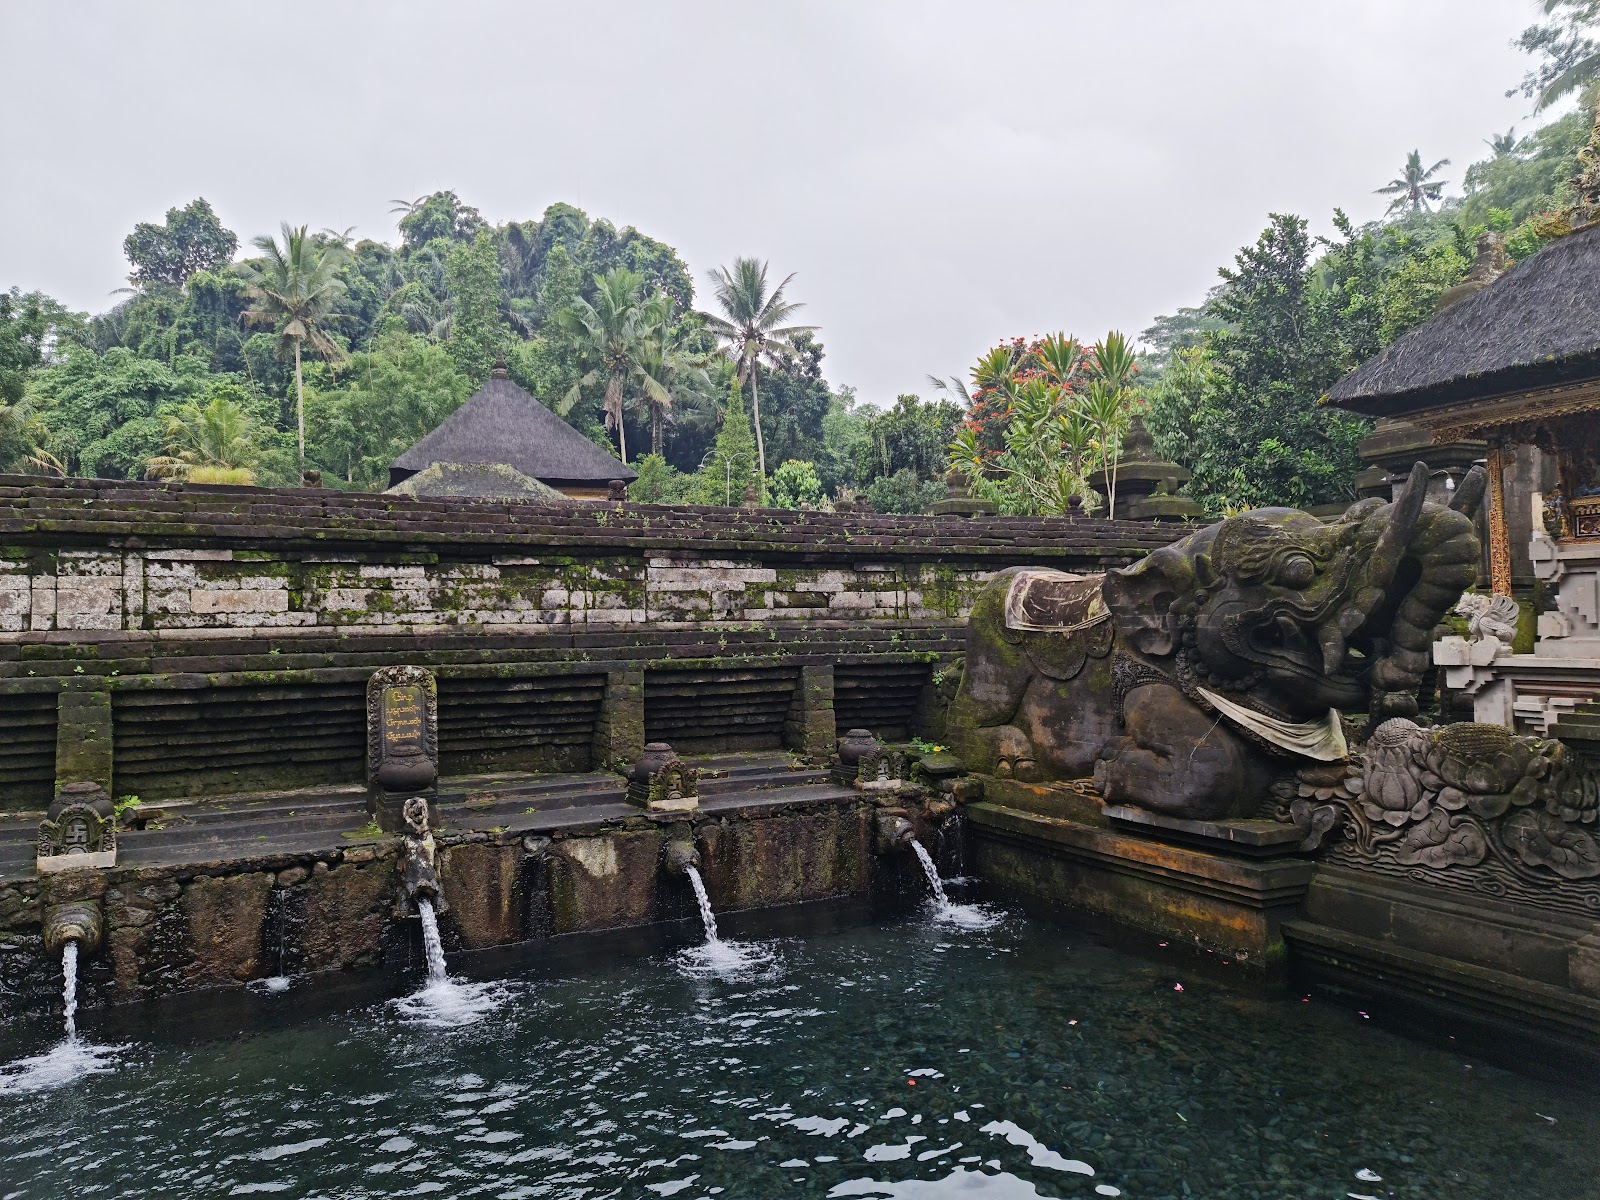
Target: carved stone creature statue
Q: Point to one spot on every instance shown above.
(1188, 683)
(418, 862)
(1490, 617)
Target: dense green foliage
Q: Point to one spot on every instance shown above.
(1231, 388)
(1059, 412)
(366, 347)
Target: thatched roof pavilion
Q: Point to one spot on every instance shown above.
(1534, 329)
(501, 425)
(1516, 362)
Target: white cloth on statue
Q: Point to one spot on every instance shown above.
(1322, 740)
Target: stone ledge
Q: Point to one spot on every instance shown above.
(1514, 1012)
(1235, 879)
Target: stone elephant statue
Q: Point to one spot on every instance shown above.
(1189, 682)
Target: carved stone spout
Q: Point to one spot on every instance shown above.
(418, 862)
(680, 855)
(892, 832)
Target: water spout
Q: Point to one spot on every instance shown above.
(707, 917)
(432, 947)
(418, 857)
(69, 986)
(940, 899)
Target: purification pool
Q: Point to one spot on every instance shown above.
(907, 1057)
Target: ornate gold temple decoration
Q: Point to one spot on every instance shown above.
(1499, 534)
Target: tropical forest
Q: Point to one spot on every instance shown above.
(306, 355)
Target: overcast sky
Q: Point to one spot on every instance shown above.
(937, 175)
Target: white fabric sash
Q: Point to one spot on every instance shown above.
(1322, 740)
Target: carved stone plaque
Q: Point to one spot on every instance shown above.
(403, 715)
(402, 739)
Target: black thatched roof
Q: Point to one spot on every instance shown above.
(1536, 326)
(503, 424)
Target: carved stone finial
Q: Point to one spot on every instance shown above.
(660, 781)
(78, 831)
(617, 489)
(499, 371)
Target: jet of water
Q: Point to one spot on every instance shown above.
(932, 872)
(69, 986)
(707, 917)
(431, 944)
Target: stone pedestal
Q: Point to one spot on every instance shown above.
(1147, 484)
(619, 734)
(83, 735)
(810, 729)
(1205, 894)
(402, 743)
(959, 500)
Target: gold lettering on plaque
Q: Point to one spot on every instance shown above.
(403, 714)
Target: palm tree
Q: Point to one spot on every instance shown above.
(1415, 186)
(1503, 145)
(295, 289)
(752, 324)
(216, 436)
(669, 377)
(607, 335)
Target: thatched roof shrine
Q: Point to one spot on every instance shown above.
(1526, 347)
(1515, 362)
(502, 425)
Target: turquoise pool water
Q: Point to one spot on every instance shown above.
(900, 1058)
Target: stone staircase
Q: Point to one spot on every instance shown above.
(316, 820)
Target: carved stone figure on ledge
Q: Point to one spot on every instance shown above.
(1188, 683)
(660, 781)
(79, 830)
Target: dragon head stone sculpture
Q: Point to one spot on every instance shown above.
(1192, 681)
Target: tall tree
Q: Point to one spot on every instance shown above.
(753, 324)
(1569, 53)
(1414, 186)
(606, 336)
(667, 374)
(1502, 145)
(1285, 345)
(193, 239)
(731, 469)
(296, 289)
(472, 283)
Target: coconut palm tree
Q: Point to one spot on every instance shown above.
(295, 288)
(217, 437)
(607, 337)
(753, 326)
(1415, 186)
(1502, 145)
(671, 381)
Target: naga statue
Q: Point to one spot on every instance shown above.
(1193, 681)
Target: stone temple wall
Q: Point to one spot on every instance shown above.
(170, 640)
